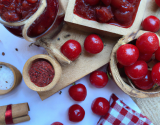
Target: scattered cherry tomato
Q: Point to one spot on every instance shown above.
(127, 54)
(100, 106)
(106, 2)
(99, 79)
(103, 14)
(144, 83)
(156, 73)
(92, 2)
(56, 123)
(78, 92)
(147, 43)
(71, 49)
(93, 44)
(157, 2)
(145, 56)
(157, 54)
(151, 23)
(76, 113)
(136, 71)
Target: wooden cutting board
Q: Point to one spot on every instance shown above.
(86, 63)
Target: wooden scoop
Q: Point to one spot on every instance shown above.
(26, 77)
(129, 89)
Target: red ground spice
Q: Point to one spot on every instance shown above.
(41, 72)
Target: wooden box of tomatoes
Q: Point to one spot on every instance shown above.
(107, 17)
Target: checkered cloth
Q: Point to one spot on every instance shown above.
(121, 114)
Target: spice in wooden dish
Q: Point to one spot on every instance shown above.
(6, 77)
(41, 72)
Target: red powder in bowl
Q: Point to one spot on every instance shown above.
(41, 72)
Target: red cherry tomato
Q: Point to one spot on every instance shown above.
(157, 2)
(103, 14)
(56, 123)
(127, 54)
(106, 2)
(76, 113)
(92, 2)
(93, 44)
(100, 106)
(136, 71)
(144, 83)
(78, 92)
(99, 79)
(156, 73)
(157, 54)
(71, 49)
(151, 23)
(145, 56)
(147, 43)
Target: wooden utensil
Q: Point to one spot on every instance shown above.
(129, 89)
(26, 77)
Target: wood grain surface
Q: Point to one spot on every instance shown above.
(84, 65)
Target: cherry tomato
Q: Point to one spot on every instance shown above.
(151, 23)
(157, 54)
(136, 71)
(145, 56)
(56, 123)
(106, 2)
(157, 2)
(147, 43)
(93, 44)
(127, 54)
(144, 83)
(78, 92)
(156, 73)
(100, 106)
(76, 113)
(103, 14)
(71, 49)
(99, 79)
(92, 2)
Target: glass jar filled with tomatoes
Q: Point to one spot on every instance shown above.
(19, 10)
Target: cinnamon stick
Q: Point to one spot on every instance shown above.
(19, 113)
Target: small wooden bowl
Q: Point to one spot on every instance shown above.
(129, 89)
(17, 77)
(26, 77)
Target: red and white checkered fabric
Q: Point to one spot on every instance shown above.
(121, 114)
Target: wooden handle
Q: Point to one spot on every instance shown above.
(53, 51)
(30, 21)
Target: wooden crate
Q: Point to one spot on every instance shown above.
(93, 26)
